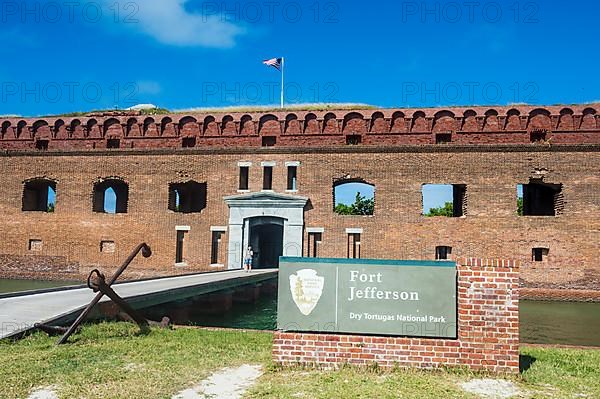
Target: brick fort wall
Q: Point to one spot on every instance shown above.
(489, 151)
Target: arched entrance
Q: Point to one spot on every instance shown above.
(266, 239)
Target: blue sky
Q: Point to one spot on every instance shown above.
(346, 193)
(179, 54)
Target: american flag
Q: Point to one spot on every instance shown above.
(274, 62)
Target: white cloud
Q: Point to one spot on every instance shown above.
(170, 23)
(148, 87)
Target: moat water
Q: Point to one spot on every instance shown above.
(564, 323)
(558, 323)
(8, 286)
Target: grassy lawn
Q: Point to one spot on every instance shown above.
(113, 361)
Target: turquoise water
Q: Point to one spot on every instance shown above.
(7, 286)
(261, 315)
(541, 322)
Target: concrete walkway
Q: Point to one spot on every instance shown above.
(20, 313)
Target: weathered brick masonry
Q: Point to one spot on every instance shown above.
(488, 331)
(489, 150)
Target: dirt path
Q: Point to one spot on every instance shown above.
(228, 383)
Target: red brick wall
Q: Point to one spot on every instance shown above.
(579, 124)
(488, 331)
(397, 230)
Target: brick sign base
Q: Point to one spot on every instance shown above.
(488, 331)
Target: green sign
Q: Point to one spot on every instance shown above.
(367, 296)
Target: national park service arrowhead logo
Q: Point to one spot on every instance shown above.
(306, 288)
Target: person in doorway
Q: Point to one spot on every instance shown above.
(248, 259)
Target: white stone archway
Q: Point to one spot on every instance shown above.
(244, 207)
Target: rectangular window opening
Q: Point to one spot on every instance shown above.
(216, 241)
(188, 142)
(353, 139)
(539, 254)
(354, 246)
(449, 200)
(538, 136)
(539, 199)
(244, 173)
(442, 252)
(267, 178)
(35, 245)
(113, 143)
(179, 255)
(443, 138)
(269, 141)
(39, 196)
(42, 145)
(292, 178)
(107, 246)
(189, 197)
(314, 241)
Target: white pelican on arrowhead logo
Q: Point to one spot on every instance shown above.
(306, 288)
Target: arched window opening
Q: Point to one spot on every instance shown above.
(4, 129)
(111, 196)
(149, 123)
(39, 196)
(21, 128)
(353, 198)
(166, 127)
(187, 197)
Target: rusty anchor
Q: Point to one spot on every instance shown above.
(96, 281)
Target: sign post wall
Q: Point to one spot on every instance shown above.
(487, 326)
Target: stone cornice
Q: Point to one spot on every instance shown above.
(266, 200)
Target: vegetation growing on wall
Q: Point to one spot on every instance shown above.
(446, 210)
(362, 206)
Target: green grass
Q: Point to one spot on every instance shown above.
(112, 360)
(289, 107)
(151, 111)
(352, 382)
(232, 109)
(563, 373)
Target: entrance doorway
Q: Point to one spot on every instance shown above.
(247, 211)
(266, 239)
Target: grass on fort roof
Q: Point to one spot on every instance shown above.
(112, 360)
(233, 109)
(291, 107)
(153, 111)
(268, 108)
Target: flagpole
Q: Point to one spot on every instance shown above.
(282, 81)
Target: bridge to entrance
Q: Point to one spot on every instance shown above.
(18, 313)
